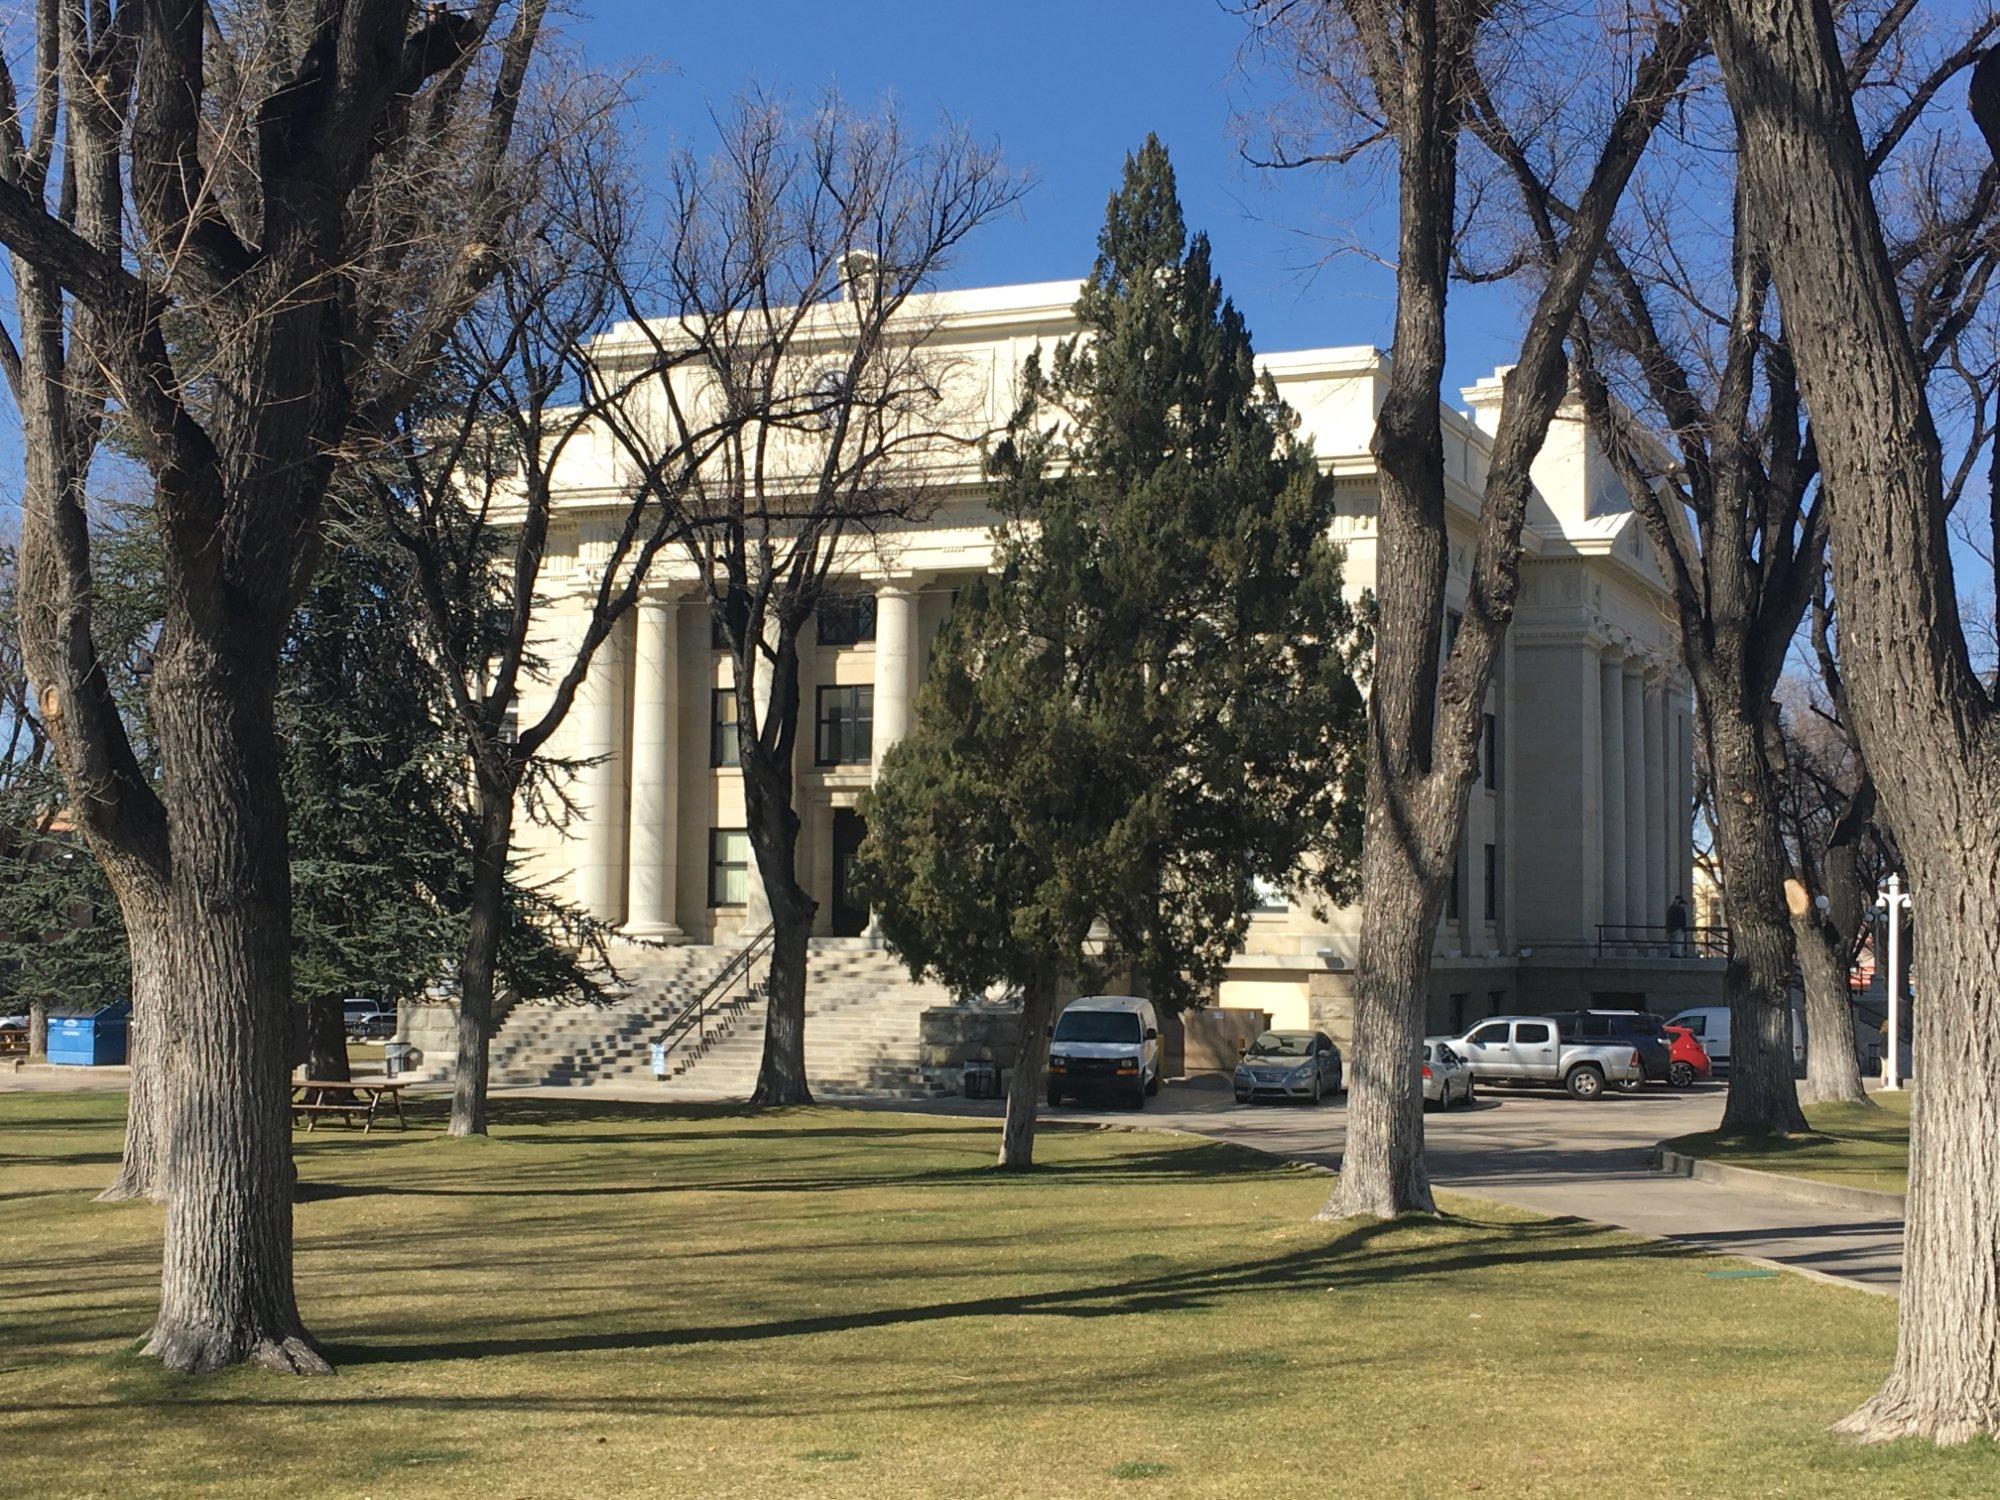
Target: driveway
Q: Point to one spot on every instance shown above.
(1555, 1155)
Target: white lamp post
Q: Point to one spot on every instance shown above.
(1895, 901)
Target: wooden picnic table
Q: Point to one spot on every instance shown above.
(313, 1097)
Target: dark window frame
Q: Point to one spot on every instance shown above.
(725, 750)
(845, 620)
(1490, 732)
(720, 867)
(1492, 882)
(859, 724)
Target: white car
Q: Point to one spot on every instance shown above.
(1108, 1043)
(1709, 1025)
(1447, 1076)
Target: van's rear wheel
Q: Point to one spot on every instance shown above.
(1585, 1081)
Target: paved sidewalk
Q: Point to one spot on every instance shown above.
(1553, 1155)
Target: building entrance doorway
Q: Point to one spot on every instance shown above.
(850, 916)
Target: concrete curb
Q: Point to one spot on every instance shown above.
(1800, 1189)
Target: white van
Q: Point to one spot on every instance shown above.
(1709, 1025)
(1109, 1043)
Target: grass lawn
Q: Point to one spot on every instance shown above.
(1852, 1144)
(627, 1300)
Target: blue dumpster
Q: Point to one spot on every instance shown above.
(89, 1038)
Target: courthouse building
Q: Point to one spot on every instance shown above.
(1578, 833)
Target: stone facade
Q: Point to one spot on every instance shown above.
(1577, 832)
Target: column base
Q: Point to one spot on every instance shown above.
(654, 932)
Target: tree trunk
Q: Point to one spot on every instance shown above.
(774, 836)
(149, 1053)
(1382, 1172)
(38, 1030)
(486, 918)
(1763, 1092)
(1825, 943)
(226, 1293)
(1945, 1385)
(326, 1039)
(1031, 1071)
(1833, 1062)
(1922, 715)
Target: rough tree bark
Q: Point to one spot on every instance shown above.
(1924, 718)
(38, 1030)
(1763, 1093)
(149, 1053)
(226, 1278)
(1031, 1072)
(773, 827)
(493, 808)
(1825, 941)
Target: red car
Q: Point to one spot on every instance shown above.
(1687, 1061)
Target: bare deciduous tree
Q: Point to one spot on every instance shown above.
(1419, 67)
(260, 222)
(1927, 722)
(794, 275)
(1680, 330)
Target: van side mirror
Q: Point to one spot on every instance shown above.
(1048, 1033)
(1152, 1033)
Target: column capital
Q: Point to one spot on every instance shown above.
(902, 583)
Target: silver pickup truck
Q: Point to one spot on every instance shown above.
(1526, 1049)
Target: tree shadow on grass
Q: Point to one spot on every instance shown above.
(1180, 1162)
(1348, 1261)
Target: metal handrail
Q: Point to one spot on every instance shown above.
(694, 1015)
(1631, 939)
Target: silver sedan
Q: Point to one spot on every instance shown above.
(1447, 1076)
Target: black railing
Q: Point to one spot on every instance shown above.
(1631, 940)
(695, 1019)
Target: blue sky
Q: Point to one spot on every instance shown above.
(1066, 89)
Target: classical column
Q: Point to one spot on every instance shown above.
(1636, 914)
(599, 743)
(1611, 722)
(895, 663)
(1656, 802)
(655, 827)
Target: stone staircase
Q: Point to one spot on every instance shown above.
(863, 1024)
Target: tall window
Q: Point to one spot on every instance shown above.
(1266, 895)
(1492, 883)
(723, 749)
(728, 867)
(1490, 735)
(1452, 620)
(846, 619)
(846, 721)
(1451, 899)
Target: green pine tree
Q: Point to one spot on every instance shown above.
(1153, 702)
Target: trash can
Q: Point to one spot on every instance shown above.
(399, 1058)
(659, 1050)
(92, 1038)
(982, 1081)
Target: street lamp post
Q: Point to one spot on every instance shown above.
(1894, 900)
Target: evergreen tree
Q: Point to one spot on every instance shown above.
(1153, 702)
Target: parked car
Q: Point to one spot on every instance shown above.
(1640, 1029)
(1690, 1062)
(1108, 1043)
(1709, 1024)
(1289, 1065)
(1527, 1050)
(1447, 1075)
(368, 1020)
